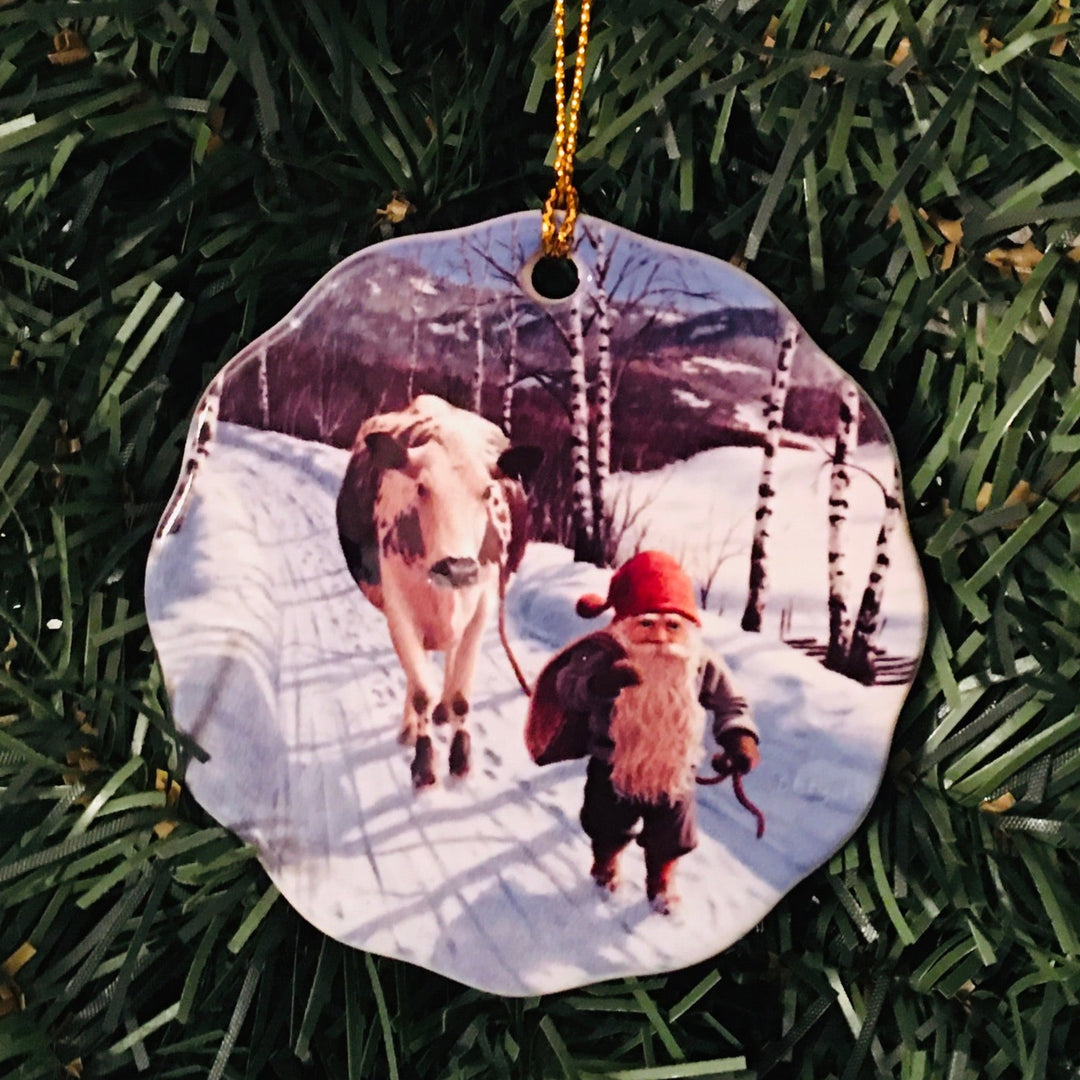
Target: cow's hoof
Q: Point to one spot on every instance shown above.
(423, 766)
(441, 714)
(459, 753)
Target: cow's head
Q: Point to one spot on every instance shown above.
(446, 508)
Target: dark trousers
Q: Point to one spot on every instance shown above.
(668, 829)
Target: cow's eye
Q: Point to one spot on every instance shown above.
(489, 491)
(422, 490)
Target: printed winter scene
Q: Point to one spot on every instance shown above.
(536, 642)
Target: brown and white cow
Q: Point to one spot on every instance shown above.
(431, 514)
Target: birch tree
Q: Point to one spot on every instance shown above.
(582, 503)
(478, 367)
(860, 662)
(201, 437)
(413, 347)
(511, 370)
(476, 317)
(264, 391)
(847, 427)
(602, 472)
(511, 348)
(774, 416)
(420, 287)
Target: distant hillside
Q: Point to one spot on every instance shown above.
(683, 384)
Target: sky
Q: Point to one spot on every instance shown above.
(661, 275)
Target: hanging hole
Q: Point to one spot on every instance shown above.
(554, 278)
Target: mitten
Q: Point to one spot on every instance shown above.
(740, 752)
(609, 680)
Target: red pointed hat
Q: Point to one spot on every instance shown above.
(650, 581)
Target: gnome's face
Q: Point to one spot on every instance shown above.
(667, 633)
(657, 726)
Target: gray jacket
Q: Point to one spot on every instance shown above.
(597, 652)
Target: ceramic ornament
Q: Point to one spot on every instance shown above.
(655, 504)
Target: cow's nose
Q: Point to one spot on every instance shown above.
(455, 572)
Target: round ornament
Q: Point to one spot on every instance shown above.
(536, 641)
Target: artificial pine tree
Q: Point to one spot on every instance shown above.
(903, 175)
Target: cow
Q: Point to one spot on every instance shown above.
(432, 517)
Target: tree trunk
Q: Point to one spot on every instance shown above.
(478, 370)
(603, 390)
(410, 388)
(584, 546)
(516, 258)
(200, 439)
(264, 392)
(477, 320)
(860, 663)
(774, 418)
(847, 429)
(511, 371)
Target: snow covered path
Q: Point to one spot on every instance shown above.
(284, 674)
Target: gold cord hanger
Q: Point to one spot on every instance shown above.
(558, 234)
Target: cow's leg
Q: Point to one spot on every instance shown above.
(443, 711)
(423, 763)
(453, 706)
(461, 744)
(458, 687)
(416, 722)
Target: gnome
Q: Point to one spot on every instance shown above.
(633, 698)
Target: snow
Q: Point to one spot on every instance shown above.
(695, 401)
(424, 285)
(702, 511)
(750, 417)
(283, 673)
(454, 330)
(723, 365)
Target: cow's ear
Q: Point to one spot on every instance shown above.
(520, 462)
(386, 452)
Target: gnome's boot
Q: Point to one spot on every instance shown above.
(659, 887)
(605, 867)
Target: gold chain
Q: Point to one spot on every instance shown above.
(558, 236)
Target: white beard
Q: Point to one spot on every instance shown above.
(658, 726)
